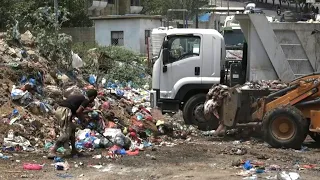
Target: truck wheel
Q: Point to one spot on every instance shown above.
(193, 113)
(315, 136)
(286, 127)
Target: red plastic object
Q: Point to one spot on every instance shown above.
(32, 166)
(149, 118)
(133, 153)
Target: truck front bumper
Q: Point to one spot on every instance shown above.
(165, 105)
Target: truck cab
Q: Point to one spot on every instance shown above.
(189, 63)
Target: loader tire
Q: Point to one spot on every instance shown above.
(285, 127)
(205, 124)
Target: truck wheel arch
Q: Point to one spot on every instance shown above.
(189, 90)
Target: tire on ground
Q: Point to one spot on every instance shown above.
(189, 118)
(300, 127)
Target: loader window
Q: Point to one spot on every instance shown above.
(182, 47)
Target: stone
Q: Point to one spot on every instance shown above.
(11, 52)
(33, 56)
(27, 39)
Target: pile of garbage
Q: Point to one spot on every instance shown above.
(120, 120)
(218, 92)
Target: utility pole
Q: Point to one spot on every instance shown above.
(184, 14)
(197, 13)
(228, 7)
(56, 12)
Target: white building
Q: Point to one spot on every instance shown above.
(130, 31)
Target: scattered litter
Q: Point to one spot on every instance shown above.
(58, 159)
(64, 175)
(288, 176)
(29, 166)
(62, 166)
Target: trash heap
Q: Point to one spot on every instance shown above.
(120, 121)
(218, 92)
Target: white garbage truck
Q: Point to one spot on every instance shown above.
(192, 60)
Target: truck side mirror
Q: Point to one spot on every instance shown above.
(165, 55)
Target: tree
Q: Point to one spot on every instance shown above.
(51, 44)
(21, 11)
(160, 7)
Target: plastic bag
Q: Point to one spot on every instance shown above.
(29, 166)
(17, 93)
(76, 61)
(92, 79)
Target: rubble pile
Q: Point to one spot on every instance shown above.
(120, 119)
(218, 92)
(264, 84)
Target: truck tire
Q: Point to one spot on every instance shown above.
(285, 127)
(205, 124)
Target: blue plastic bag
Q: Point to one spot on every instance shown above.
(119, 93)
(23, 80)
(32, 81)
(247, 165)
(121, 152)
(92, 79)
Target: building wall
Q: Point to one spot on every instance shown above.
(80, 34)
(133, 29)
(148, 24)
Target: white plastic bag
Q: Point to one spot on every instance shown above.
(17, 93)
(76, 61)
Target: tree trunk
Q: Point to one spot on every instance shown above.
(273, 2)
(266, 1)
(280, 3)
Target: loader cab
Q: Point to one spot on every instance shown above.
(189, 63)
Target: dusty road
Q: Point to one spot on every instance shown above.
(199, 158)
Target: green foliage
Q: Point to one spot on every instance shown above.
(51, 44)
(11, 11)
(20, 11)
(160, 7)
(114, 63)
(82, 48)
(78, 13)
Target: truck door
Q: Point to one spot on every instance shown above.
(185, 58)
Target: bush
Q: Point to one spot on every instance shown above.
(114, 63)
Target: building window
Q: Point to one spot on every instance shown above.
(110, 1)
(117, 38)
(146, 36)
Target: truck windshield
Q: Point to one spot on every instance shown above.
(234, 38)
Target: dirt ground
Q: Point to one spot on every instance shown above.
(199, 158)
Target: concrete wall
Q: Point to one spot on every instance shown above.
(133, 29)
(80, 34)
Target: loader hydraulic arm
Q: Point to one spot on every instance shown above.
(300, 91)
